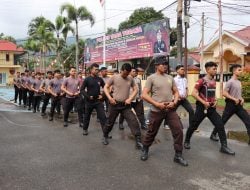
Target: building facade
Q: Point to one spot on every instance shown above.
(8, 62)
(236, 49)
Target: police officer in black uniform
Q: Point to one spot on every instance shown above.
(93, 98)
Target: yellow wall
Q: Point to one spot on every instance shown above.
(3, 58)
(192, 78)
(212, 54)
(5, 67)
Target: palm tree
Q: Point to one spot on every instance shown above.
(76, 15)
(36, 23)
(61, 26)
(41, 32)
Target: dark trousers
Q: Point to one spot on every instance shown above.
(24, 96)
(89, 107)
(129, 116)
(188, 107)
(68, 105)
(55, 101)
(18, 94)
(213, 116)
(31, 95)
(46, 97)
(36, 102)
(231, 109)
(80, 107)
(139, 110)
(106, 101)
(155, 120)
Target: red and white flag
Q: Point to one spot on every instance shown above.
(102, 2)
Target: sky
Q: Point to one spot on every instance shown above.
(15, 15)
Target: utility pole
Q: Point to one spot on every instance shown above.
(202, 42)
(179, 31)
(186, 22)
(220, 48)
(104, 34)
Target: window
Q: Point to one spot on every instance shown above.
(7, 57)
(2, 78)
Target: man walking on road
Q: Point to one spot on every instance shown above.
(234, 102)
(204, 93)
(181, 83)
(162, 88)
(71, 86)
(121, 103)
(91, 90)
(35, 87)
(137, 103)
(105, 77)
(17, 87)
(24, 87)
(44, 88)
(54, 88)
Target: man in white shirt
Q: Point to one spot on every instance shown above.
(181, 83)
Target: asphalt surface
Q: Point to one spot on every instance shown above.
(38, 154)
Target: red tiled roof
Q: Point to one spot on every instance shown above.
(193, 68)
(9, 46)
(243, 34)
(195, 56)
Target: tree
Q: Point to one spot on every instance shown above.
(76, 15)
(173, 36)
(61, 26)
(141, 16)
(173, 52)
(68, 56)
(8, 38)
(39, 22)
(41, 33)
(110, 30)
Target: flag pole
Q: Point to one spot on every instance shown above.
(104, 34)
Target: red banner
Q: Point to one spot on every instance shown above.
(138, 42)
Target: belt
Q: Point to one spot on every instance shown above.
(121, 103)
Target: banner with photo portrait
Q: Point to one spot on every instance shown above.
(141, 41)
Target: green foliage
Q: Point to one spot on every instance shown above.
(9, 38)
(110, 30)
(245, 80)
(77, 14)
(41, 35)
(141, 16)
(173, 52)
(68, 54)
(173, 37)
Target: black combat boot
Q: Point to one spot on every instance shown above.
(143, 126)
(214, 137)
(249, 139)
(224, 149)
(189, 134)
(138, 144)
(187, 144)
(144, 153)
(179, 159)
(85, 132)
(105, 141)
(121, 127)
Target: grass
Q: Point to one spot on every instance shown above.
(221, 102)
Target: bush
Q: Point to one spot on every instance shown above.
(245, 81)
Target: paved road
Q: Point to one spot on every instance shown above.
(38, 154)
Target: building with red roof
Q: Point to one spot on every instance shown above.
(8, 61)
(236, 49)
